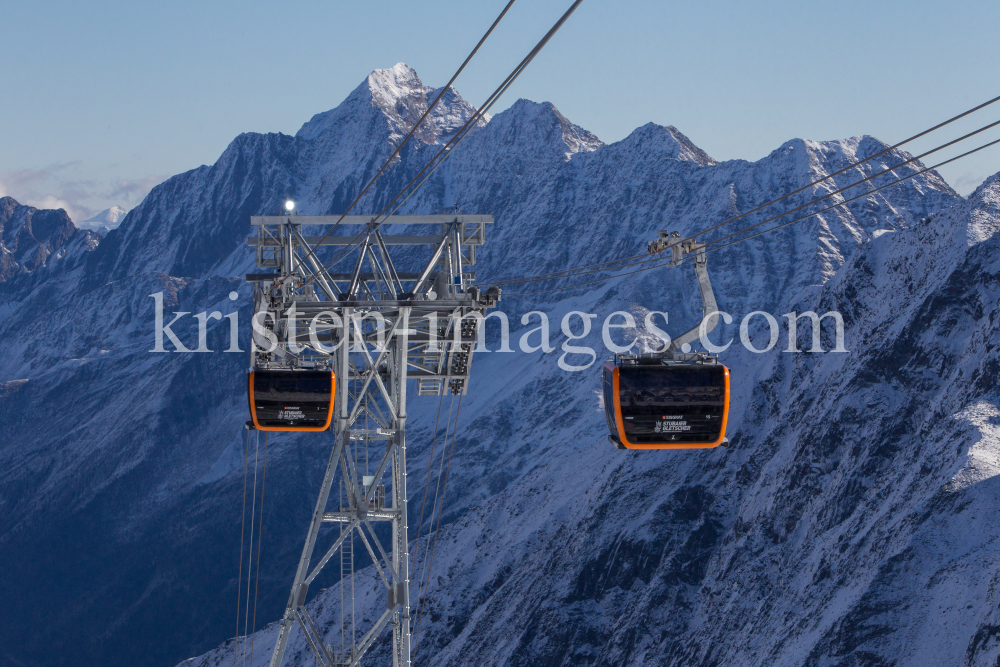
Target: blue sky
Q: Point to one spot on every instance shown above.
(103, 100)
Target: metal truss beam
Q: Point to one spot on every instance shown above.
(376, 328)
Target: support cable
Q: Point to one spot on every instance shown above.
(436, 505)
(581, 272)
(253, 512)
(568, 273)
(792, 222)
(486, 107)
(836, 173)
(437, 530)
(260, 538)
(864, 180)
(414, 128)
(427, 484)
(239, 576)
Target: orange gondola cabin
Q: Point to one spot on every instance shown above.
(291, 400)
(653, 403)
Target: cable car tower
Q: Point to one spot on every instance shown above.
(375, 328)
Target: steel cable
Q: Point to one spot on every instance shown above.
(846, 201)
(243, 522)
(427, 484)
(568, 273)
(437, 529)
(783, 214)
(253, 513)
(847, 168)
(599, 280)
(260, 536)
(864, 180)
(437, 503)
(490, 103)
(581, 271)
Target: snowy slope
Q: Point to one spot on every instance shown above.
(838, 529)
(104, 221)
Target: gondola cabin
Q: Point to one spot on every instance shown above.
(291, 400)
(650, 404)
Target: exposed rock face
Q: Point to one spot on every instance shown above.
(850, 523)
(29, 237)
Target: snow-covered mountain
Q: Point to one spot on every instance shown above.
(849, 523)
(104, 221)
(31, 238)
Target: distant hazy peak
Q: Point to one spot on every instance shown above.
(29, 236)
(109, 217)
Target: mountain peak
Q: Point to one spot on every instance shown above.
(534, 125)
(388, 87)
(399, 94)
(29, 236)
(671, 141)
(107, 219)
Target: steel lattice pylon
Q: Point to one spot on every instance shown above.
(376, 330)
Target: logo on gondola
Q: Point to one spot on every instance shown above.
(291, 414)
(671, 426)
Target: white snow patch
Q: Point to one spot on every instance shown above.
(983, 459)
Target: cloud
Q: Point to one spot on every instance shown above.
(23, 180)
(59, 186)
(968, 182)
(48, 188)
(50, 201)
(135, 190)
